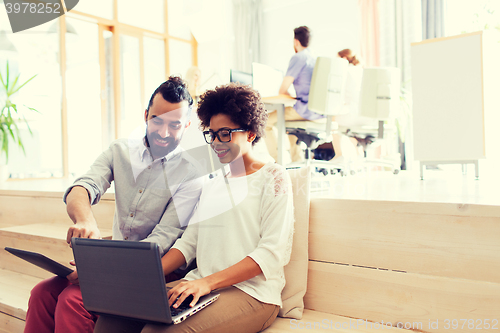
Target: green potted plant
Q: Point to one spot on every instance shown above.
(10, 117)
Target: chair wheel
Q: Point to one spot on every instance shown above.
(323, 171)
(396, 171)
(352, 172)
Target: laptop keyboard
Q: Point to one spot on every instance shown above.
(175, 312)
(183, 306)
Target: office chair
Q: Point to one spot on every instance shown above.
(325, 97)
(379, 99)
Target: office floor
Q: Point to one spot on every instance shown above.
(447, 184)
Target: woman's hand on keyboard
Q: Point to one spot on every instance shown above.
(180, 292)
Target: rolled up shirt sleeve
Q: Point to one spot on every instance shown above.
(274, 248)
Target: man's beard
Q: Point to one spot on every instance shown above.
(157, 151)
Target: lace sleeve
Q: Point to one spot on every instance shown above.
(277, 219)
(281, 180)
(282, 186)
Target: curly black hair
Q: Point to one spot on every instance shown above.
(174, 90)
(240, 102)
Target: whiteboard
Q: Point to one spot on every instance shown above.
(448, 104)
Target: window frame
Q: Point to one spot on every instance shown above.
(117, 28)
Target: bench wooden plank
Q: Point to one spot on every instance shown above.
(395, 297)
(43, 209)
(46, 238)
(9, 324)
(15, 289)
(445, 240)
(49, 230)
(315, 321)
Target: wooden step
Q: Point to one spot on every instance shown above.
(14, 295)
(9, 324)
(48, 239)
(29, 207)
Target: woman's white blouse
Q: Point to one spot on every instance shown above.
(239, 217)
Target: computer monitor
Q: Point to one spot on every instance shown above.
(240, 77)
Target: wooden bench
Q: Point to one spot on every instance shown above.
(37, 221)
(426, 267)
(373, 265)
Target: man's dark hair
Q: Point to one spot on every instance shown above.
(303, 35)
(241, 103)
(174, 90)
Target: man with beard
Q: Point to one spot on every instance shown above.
(157, 186)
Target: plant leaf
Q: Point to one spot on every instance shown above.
(2, 135)
(32, 109)
(19, 143)
(22, 85)
(10, 116)
(5, 145)
(7, 77)
(13, 85)
(29, 128)
(1, 79)
(9, 127)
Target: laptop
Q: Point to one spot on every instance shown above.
(125, 279)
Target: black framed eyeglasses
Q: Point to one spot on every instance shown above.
(224, 134)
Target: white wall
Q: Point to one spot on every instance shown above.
(335, 25)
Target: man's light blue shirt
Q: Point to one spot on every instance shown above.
(301, 68)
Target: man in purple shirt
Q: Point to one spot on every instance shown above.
(300, 70)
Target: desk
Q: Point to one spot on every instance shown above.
(279, 103)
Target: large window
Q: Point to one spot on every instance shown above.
(463, 16)
(94, 80)
(35, 52)
(147, 14)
